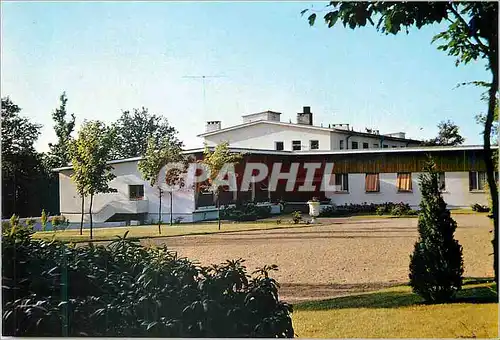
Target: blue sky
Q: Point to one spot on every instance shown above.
(113, 56)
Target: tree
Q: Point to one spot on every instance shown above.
(448, 135)
(134, 130)
(436, 266)
(59, 155)
(472, 33)
(215, 162)
(22, 173)
(89, 157)
(159, 154)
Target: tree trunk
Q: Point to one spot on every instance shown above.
(218, 209)
(83, 212)
(488, 155)
(90, 213)
(159, 212)
(171, 208)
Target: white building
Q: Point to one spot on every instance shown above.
(369, 167)
(265, 131)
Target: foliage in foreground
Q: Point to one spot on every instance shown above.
(436, 266)
(124, 289)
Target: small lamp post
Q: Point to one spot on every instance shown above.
(313, 209)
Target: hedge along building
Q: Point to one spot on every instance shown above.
(359, 176)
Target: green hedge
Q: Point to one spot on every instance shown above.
(248, 211)
(388, 208)
(126, 290)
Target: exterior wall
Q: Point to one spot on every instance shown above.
(264, 136)
(106, 205)
(456, 194)
(457, 191)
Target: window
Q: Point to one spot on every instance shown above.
(136, 192)
(372, 183)
(341, 145)
(441, 181)
(341, 182)
(354, 145)
(404, 182)
(477, 180)
(314, 144)
(375, 146)
(278, 146)
(386, 146)
(296, 145)
(394, 146)
(365, 145)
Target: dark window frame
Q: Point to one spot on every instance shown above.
(314, 141)
(136, 192)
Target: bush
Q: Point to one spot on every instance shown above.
(480, 208)
(436, 266)
(59, 222)
(296, 217)
(398, 209)
(248, 211)
(126, 290)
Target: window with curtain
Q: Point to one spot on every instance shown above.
(372, 183)
(404, 182)
(477, 180)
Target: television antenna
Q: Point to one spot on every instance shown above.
(203, 79)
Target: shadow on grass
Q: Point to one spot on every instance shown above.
(399, 297)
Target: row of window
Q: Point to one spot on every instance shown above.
(314, 145)
(477, 182)
(355, 145)
(297, 145)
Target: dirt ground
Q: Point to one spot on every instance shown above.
(338, 257)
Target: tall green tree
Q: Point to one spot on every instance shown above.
(135, 128)
(436, 266)
(472, 34)
(448, 135)
(22, 173)
(59, 154)
(159, 154)
(215, 161)
(90, 153)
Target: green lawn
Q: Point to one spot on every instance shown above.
(143, 232)
(398, 313)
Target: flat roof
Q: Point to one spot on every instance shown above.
(316, 152)
(258, 113)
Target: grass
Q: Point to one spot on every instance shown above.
(151, 231)
(398, 313)
(467, 212)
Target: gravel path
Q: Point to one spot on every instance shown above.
(338, 257)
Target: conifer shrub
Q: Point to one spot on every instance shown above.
(436, 266)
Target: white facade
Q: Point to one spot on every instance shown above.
(456, 193)
(106, 205)
(264, 135)
(265, 131)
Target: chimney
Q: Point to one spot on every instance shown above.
(213, 125)
(305, 117)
